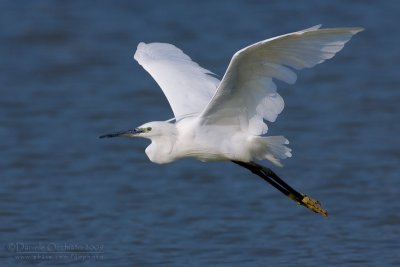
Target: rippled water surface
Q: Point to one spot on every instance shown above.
(67, 75)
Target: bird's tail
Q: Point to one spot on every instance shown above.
(272, 148)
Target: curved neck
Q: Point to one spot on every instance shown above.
(162, 143)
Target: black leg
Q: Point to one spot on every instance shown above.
(268, 175)
(262, 173)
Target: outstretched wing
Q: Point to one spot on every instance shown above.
(187, 86)
(247, 93)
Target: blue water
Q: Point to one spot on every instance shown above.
(67, 75)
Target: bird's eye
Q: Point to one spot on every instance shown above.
(148, 129)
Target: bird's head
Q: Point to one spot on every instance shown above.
(147, 130)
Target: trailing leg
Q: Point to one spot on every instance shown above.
(268, 175)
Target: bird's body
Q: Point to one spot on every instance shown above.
(225, 120)
(186, 138)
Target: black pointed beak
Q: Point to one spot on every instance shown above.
(128, 133)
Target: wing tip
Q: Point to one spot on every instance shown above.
(138, 52)
(356, 30)
(352, 30)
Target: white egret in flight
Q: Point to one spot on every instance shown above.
(225, 120)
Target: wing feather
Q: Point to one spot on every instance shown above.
(187, 86)
(247, 93)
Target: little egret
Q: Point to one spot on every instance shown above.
(225, 120)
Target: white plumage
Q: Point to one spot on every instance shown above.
(225, 120)
(187, 86)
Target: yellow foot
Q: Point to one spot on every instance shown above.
(313, 205)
